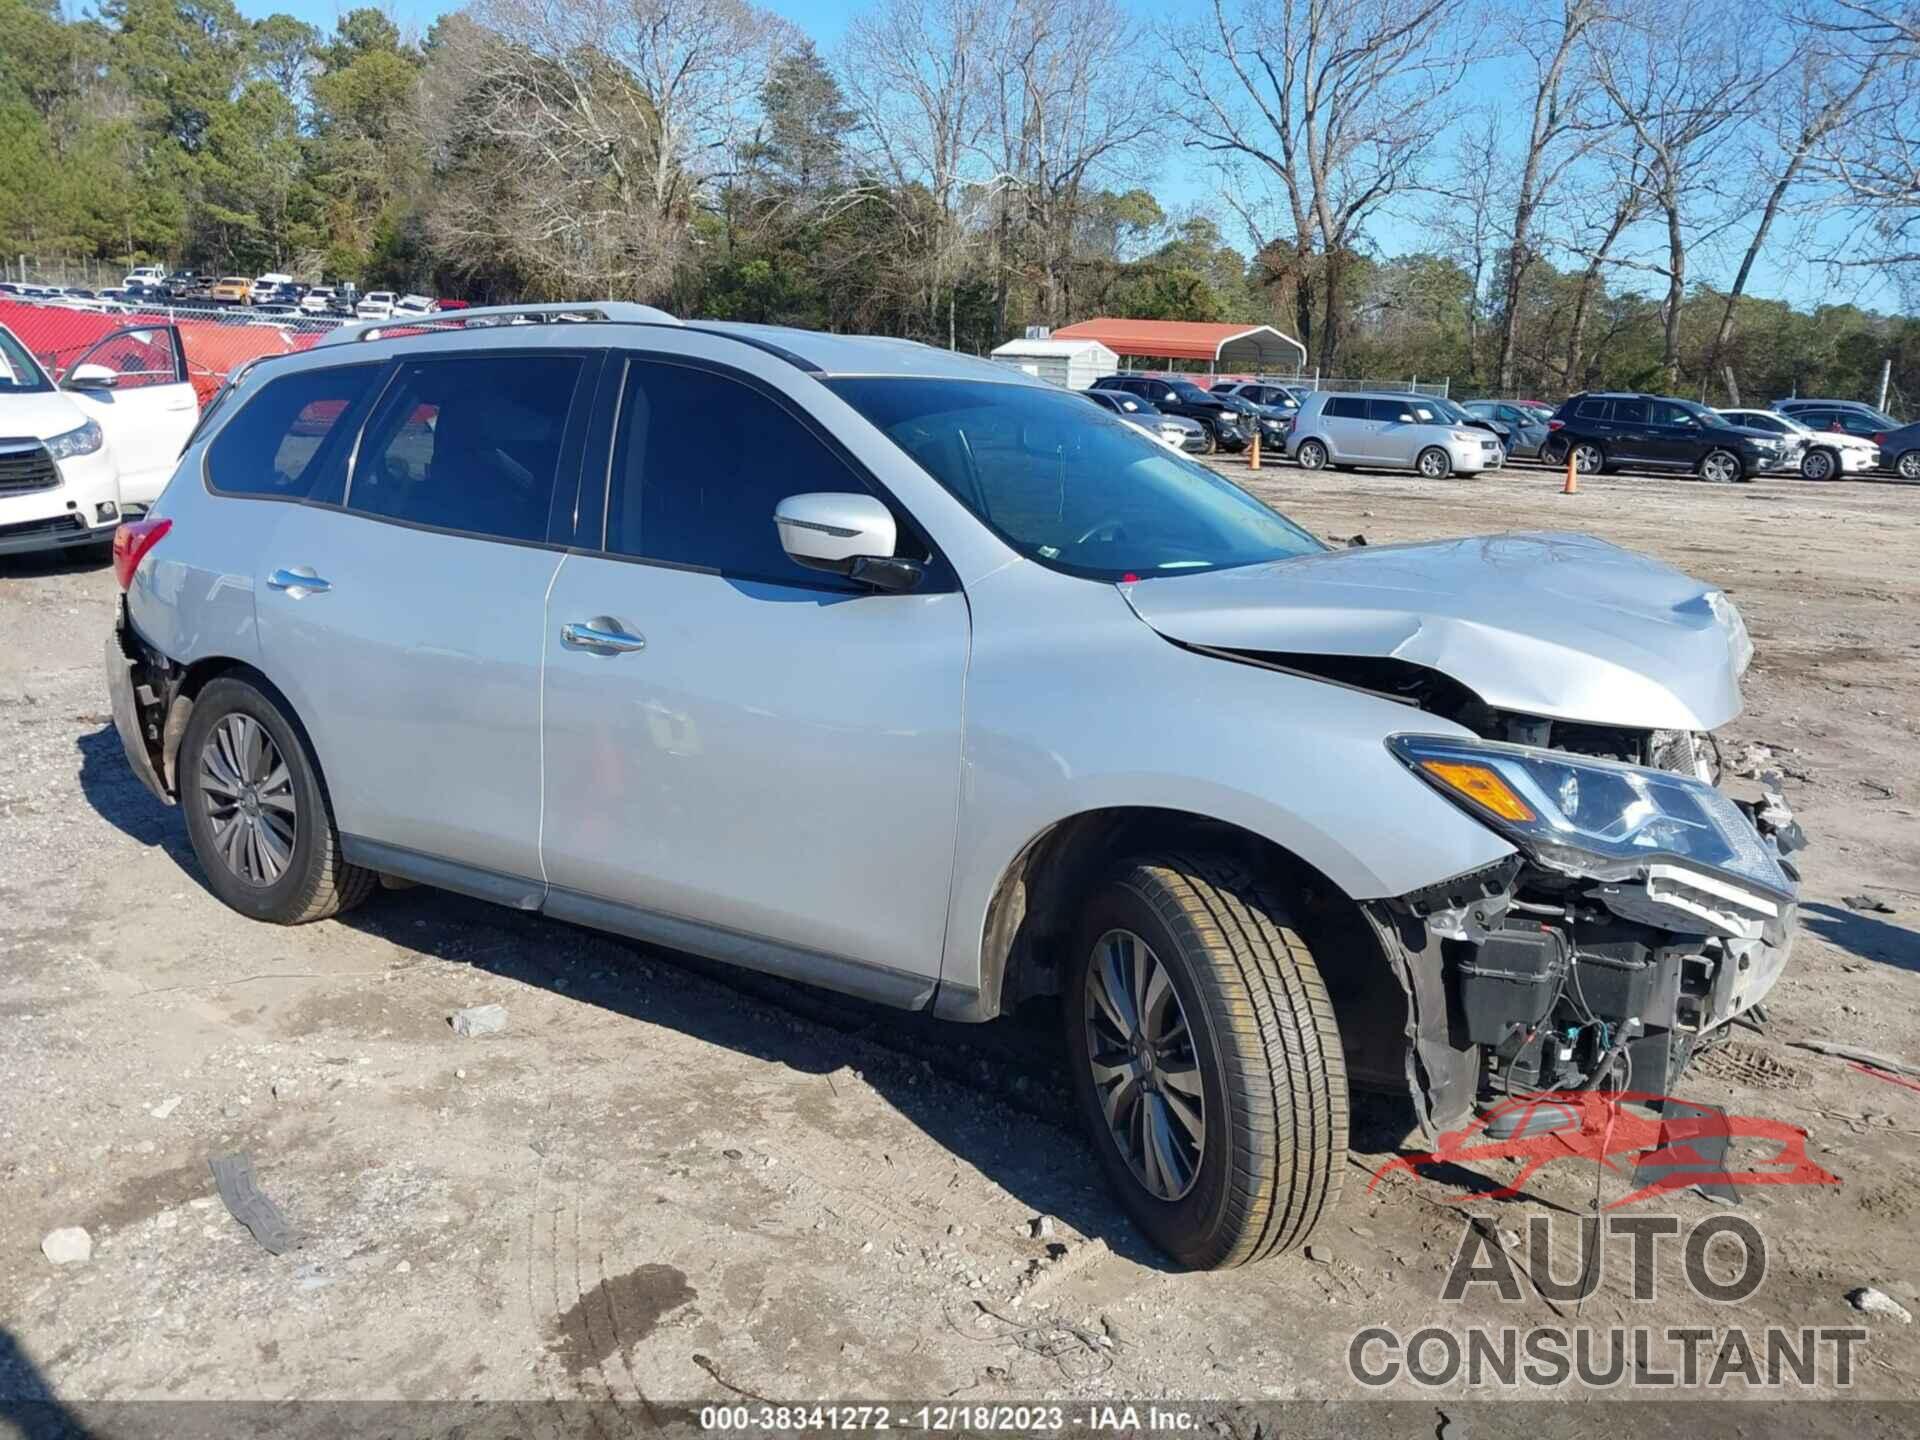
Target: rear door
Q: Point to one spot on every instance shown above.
(1351, 432)
(765, 767)
(134, 382)
(1624, 434)
(404, 614)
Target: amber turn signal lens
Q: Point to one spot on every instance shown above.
(1481, 785)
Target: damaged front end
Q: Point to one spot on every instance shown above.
(1644, 909)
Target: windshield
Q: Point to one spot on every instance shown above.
(1077, 490)
(20, 374)
(1192, 394)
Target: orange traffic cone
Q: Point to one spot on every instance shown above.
(1572, 487)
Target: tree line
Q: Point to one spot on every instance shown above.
(1529, 196)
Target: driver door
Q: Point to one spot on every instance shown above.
(134, 383)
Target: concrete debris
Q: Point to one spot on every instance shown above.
(165, 1108)
(1869, 1301)
(1041, 1227)
(69, 1245)
(1871, 903)
(1319, 1254)
(479, 1020)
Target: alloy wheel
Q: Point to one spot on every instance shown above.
(1145, 1071)
(1587, 459)
(1720, 467)
(248, 793)
(1312, 455)
(1433, 464)
(1818, 465)
(1910, 465)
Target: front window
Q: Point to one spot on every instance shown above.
(1073, 490)
(20, 374)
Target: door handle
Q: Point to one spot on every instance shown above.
(298, 582)
(603, 635)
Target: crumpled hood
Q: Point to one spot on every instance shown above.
(38, 415)
(1557, 625)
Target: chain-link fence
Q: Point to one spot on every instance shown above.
(1305, 380)
(217, 341)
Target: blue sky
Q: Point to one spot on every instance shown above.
(1182, 182)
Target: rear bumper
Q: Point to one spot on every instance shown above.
(124, 686)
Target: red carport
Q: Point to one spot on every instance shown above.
(1249, 349)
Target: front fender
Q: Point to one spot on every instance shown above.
(1125, 718)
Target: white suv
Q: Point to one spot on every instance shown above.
(898, 672)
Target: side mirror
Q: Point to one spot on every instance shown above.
(844, 534)
(92, 377)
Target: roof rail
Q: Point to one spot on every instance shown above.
(617, 312)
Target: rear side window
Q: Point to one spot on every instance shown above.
(289, 433)
(1391, 410)
(1346, 407)
(468, 443)
(1592, 410)
(1630, 412)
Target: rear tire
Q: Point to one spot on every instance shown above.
(1245, 1106)
(1908, 465)
(258, 816)
(1588, 458)
(1312, 455)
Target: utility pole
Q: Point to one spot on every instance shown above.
(1886, 379)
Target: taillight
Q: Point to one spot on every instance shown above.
(1556, 424)
(131, 542)
(1879, 438)
(1293, 422)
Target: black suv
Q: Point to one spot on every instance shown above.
(1657, 432)
(1220, 419)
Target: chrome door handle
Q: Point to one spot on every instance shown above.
(602, 634)
(298, 582)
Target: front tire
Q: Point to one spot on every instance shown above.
(259, 818)
(1434, 463)
(1206, 1059)
(1721, 467)
(1312, 455)
(1819, 465)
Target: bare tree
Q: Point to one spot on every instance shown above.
(1068, 115)
(1562, 130)
(1319, 110)
(918, 73)
(1873, 162)
(580, 133)
(1681, 86)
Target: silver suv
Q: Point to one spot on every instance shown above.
(904, 674)
(1405, 432)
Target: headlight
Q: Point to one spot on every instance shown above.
(83, 441)
(1567, 811)
(1467, 436)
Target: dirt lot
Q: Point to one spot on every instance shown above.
(668, 1184)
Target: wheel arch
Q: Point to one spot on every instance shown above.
(184, 693)
(1034, 905)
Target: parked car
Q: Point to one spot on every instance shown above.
(1900, 450)
(1609, 431)
(1449, 412)
(416, 305)
(1526, 429)
(232, 290)
(1234, 856)
(1391, 430)
(1851, 417)
(1182, 397)
(81, 453)
(144, 275)
(378, 305)
(1818, 454)
(320, 300)
(266, 287)
(1172, 430)
(1276, 399)
(1270, 424)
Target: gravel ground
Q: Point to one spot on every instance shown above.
(668, 1184)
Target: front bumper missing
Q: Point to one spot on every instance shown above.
(1521, 978)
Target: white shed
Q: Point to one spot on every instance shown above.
(1074, 364)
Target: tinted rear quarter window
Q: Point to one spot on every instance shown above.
(1592, 410)
(289, 433)
(1630, 412)
(1346, 407)
(468, 443)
